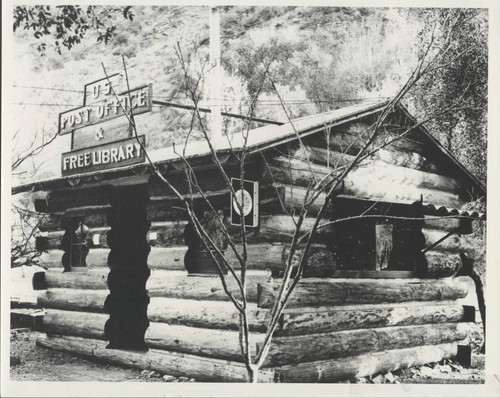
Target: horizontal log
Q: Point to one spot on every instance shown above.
(318, 292)
(165, 258)
(73, 299)
(435, 188)
(322, 156)
(353, 137)
(320, 262)
(261, 256)
(272, 228)
(303, 320)
(197, 313)
(205, 314)
(471, 298)
(441, 265)
(177, 284)
(213, 343)
(88, 278)
(208, 176)
(452, 244)
(224, 344)
(85, 198)
(161, 283)
(160, 233)
(405, 158)
(447, 224)
(223, 315)
(311, 347)
(395, 157)
(293, 198)
(327, 371)
(209, 369)
(276, 225)
(295, 171)
(95, 215)
(372, 274)
(53, 258)
(74, 323)
(200, 368)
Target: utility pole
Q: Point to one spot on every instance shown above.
(215, 75)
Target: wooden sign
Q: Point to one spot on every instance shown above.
(248, 200)
(103, 88)
(102, 157)
(140, 100)
(102, 133)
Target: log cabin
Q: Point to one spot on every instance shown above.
(127, 281)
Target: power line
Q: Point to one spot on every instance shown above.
(45, 104)
(48, 88)
(234, 115)
(274, 103)
(235, 100)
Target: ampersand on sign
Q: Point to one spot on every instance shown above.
(99, 135)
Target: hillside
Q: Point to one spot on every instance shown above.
(318, 58)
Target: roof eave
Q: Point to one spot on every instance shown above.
(445, 151)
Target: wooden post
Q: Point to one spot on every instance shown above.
(128, 300)
(468, 269)
(464, 355)
(215, 75)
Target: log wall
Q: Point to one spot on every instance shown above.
(338, 324)
(335, 326)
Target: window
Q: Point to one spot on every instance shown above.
(378, 246)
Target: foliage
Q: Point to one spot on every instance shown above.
(335, 55)
(320, 58)
(463, 73)
(315, 62)
(68, 25)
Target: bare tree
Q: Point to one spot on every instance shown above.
(26, 221)
(319, 193)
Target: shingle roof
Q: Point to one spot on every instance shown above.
(257, 138)
(269, 136)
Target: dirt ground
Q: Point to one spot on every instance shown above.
(32, 363)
